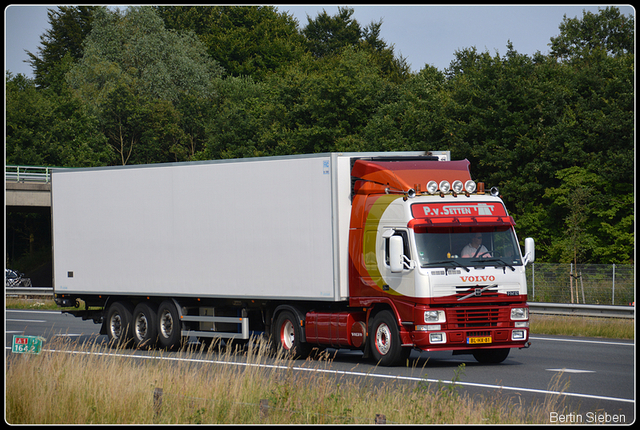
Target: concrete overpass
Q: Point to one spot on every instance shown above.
(28, 187)
(28, 221)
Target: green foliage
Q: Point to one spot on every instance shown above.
(524, 121)
(607, 31)
(412, 117)
(48, 129)
(133, 75)
(326, 103)
(327, 35)
(61, 44)
(244, 40)
(554, 132)
(330, 35)
(237, 120)
(135, 49)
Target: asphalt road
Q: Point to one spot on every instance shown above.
(596, 376)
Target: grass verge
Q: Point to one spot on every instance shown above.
(85, 386)
(71, 384)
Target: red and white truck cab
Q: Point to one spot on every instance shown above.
(412, 224)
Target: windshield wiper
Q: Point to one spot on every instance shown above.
(495, 260)
(442, 262)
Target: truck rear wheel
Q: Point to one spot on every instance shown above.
(491, 356)
(169, 326)
(288, 333)
(119, 323)
(385, 340)
(145, 325)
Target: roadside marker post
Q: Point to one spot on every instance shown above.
(26, 344)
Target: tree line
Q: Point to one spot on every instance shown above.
(555, 132)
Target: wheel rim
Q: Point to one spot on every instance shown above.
(383, 339)
(116, 326)
(166, 324)
(141, 326)
(287, 334)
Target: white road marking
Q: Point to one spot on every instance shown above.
(603, 342)
(38, 321)
(571, 370)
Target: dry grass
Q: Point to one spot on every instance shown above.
(67, 384)
(612, 328)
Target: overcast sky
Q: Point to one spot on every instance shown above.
(421, 34)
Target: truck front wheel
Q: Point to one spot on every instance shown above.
(169, 331)
(119, 323)
(145, 325)
(385, 340)
(288, 333)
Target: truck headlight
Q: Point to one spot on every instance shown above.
(470, 186)
(434, 317)
(519, 313)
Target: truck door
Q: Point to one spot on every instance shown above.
(400, 281)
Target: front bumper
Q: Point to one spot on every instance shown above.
(483, 338)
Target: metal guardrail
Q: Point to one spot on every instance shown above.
(582, 310)
(565, 309)
(28, 174)
(30, 291)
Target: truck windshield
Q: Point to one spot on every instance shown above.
(466, 246)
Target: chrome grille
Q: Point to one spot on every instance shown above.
(472, 317)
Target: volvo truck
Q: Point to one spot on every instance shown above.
(379, 252)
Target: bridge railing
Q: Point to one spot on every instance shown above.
(28, 174)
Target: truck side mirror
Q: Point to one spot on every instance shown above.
(529, 251)
(396, 254)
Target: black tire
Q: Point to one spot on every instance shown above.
(287, 333)
(386, 345)
(491, 356)
(145, 325)
(169, 326)
(119, 323)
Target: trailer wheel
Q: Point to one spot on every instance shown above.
(145, 325)
(491, 356)
(385, 340)
(169, 326)
(119, 323)
(288, 333)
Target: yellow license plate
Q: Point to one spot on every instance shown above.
(474, 340)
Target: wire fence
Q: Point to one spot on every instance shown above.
(592, 284)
